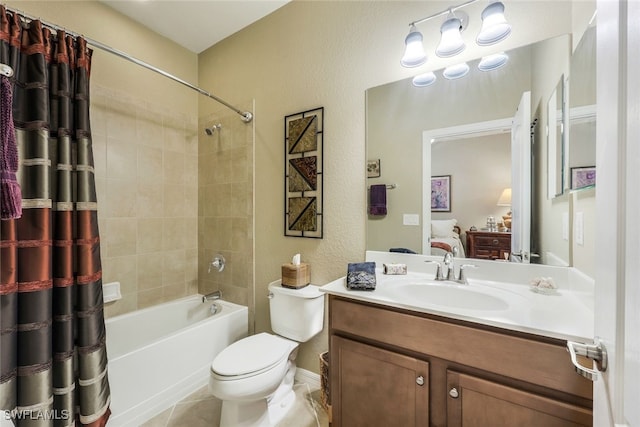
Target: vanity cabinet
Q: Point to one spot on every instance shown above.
(397, 367)
(488, 244)
(381, 387)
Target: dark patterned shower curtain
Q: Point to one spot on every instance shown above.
(53, 360)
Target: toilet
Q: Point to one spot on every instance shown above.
(254, 376)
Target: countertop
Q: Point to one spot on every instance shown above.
(561, 315)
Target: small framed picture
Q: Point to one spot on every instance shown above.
(441, 193)
(583, 177)
(373, 168)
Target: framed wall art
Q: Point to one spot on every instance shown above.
(373, 168)
(583, 177)
(441, 193)
(303, 160)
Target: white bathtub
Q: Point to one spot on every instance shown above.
(161, 354)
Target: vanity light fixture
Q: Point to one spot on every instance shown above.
(493, 62)
(457, 71)
(451, 42)
(426, 79)
(495, 28)
(414, 54)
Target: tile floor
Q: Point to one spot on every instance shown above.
(201, 409)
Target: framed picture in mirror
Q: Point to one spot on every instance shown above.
(441, 193)
(583, 177)
(373, 168)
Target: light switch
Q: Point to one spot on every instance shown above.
(411, 219)
(579, 228)
(565, 225)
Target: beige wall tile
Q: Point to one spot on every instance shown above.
(173, 268)
(150, 267)
(122, 198)
(150, 235)
(123, 269)
(121, 119)
(120, 236)
(122, 159)
(149, 298)
(174, 168)
(99, 146)
(173, 200)
(150, 199)
(173, 234)
(149, 128)
(150, 169)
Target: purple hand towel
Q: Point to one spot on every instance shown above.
(378, 199)
(10, 194)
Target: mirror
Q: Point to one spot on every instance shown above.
(398, 114)
(582, 113)
(556, 140)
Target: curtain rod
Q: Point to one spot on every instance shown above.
(246, 116)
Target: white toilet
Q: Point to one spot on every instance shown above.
(254, 376)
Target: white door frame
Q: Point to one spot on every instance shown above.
(472, 130)
(617, 205)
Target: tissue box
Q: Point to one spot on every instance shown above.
(296, 276)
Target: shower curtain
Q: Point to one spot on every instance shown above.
(53, 359)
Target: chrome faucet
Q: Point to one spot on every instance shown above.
(212, 296)
(449, 265)
(448, 262)
(461, 276)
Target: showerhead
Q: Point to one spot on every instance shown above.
(210, 131)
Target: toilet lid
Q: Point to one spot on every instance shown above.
(251, 354)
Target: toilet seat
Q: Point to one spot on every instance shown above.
(251, 356)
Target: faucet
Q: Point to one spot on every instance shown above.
(212, 296)
(449, 264)
(448, 261)
(462, 279)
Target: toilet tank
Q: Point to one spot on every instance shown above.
(297, 314)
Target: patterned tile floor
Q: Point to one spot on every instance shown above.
(201, 409)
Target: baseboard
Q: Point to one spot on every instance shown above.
(308, 377)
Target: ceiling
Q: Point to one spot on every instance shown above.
(195, 25)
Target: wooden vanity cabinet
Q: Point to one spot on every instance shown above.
(395, 367)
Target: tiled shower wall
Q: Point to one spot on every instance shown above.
(146, 162)
(225, 210)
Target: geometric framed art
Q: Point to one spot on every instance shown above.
(303, 184)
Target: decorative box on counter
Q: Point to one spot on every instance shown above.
(296, 276)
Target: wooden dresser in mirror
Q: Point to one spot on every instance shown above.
(488, 244)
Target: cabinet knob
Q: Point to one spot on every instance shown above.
(496, 241)
(420, 380)
(454, 393)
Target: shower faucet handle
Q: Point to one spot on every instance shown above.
(218, 263)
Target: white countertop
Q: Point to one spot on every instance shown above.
(562, 315)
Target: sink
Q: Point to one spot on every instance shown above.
(448, 295)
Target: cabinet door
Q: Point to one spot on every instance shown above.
(476, 402)
(374, 387)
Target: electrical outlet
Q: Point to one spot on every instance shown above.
(411, 219)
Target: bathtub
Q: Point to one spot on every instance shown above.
(161, 354)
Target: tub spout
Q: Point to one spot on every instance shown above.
(212, 296)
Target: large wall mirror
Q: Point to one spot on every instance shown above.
(478, 167)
